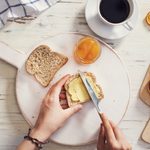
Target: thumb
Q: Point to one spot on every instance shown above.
(72, 110)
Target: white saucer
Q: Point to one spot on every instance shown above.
(102, 29)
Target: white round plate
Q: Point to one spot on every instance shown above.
(102, 29)
(82, 128)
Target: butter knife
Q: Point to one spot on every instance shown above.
(91, 92)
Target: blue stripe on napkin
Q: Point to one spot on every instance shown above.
(21, 8)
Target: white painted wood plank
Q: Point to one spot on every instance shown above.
(66, 16)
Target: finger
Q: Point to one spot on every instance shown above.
(56, 88)
(63, 92)
(120, 136)
(63, 101)
(63, 88)
(118, 133)
(64, 106)
(72, 110)
(101, 139)
(110, 137)
(62, 81)
(62, 96)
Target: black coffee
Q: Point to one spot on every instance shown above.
(114, 11)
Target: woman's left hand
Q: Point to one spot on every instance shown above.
(52, 116)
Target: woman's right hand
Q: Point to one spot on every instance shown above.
(111, 137)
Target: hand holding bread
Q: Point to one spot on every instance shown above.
(52, 116)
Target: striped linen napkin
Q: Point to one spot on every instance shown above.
(13, 9)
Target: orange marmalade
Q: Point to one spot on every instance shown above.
(87, 50)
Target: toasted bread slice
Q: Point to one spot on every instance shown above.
(76, 92)
(43, 63)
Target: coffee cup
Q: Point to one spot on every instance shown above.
(116, 12)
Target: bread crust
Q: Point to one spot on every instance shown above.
(72, 103)
(43, 64)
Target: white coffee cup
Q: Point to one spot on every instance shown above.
(126, 23)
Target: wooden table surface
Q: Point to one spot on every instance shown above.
(68, 16)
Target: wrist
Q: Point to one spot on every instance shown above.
(39, 134)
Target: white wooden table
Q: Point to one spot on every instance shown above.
(66, 16)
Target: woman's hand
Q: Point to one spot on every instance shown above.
(52, 116)
(111, 137)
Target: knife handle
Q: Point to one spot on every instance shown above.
(100, 115)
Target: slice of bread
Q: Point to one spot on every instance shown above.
(76, 92)
(43, 63)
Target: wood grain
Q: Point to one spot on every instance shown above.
(68, 16)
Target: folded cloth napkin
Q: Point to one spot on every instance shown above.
(22, 8)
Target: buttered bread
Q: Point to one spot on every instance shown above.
(76, 91)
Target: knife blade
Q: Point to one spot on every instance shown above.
(91, 92)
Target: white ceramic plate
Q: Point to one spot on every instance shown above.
(83, 127)
(102, 29)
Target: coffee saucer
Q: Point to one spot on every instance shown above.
(104, 30)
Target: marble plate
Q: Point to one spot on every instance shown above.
(83, 127)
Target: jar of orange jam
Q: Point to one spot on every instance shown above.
(87, 50)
